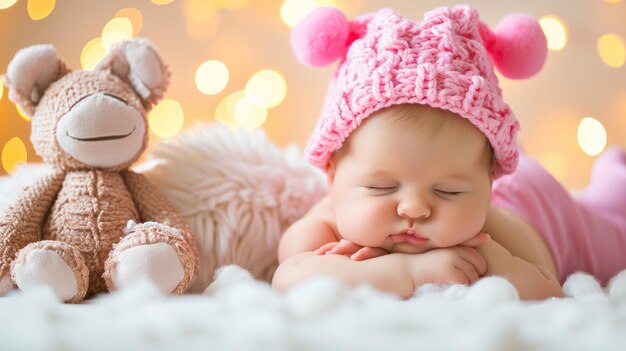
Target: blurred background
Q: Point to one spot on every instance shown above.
(232, 64)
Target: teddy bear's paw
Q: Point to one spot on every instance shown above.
(47, 268)
(6, 284)
(158, 262)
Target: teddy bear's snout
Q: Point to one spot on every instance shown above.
(101, 130)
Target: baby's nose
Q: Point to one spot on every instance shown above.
(414, 208)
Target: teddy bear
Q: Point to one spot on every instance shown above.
(92, 225)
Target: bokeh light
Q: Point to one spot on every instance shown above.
(266, 88)
(613, 1)
(22, 114)
(161, 2)
(116, 30)
(202, 18)
(92, 53)
(211, 77)
(556, 163)
(5, 4)
(293, 11)
(232, 4)
(134, 16)
(1, 89)
(591, 136)
(225, 111)
(40, 9)
(555, 30)
(13, 152)
(248, 114)
(166, 118)
(611, 50)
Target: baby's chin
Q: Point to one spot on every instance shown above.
(407, 248)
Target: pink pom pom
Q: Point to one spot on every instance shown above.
(321, 37)
(518, 47)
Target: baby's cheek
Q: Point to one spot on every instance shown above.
(363, 223)
(462, 227)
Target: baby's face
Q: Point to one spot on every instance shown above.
(410, 187)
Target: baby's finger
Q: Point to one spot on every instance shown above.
(344, 248)
(325, 248)
(474, 258)
(468, 270)
(479, 239)
(367, 253)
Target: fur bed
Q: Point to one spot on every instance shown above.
(239, 193)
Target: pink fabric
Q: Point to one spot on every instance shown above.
(440, 61)
(586, 233)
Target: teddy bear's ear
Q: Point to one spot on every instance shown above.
(30, 73)
(137, 62)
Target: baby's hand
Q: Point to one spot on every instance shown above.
(452, 265)
(348, 248)
(478, 239)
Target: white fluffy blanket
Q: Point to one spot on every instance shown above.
(240, 311)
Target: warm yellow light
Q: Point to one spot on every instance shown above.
(225, 111)
(202, 18)
(92, 53)
(14, 152)
(40, 9)
(591, 136)
(613, 1)
(202, 30)
(266, 88)
(134, 16)
(5, 4)
(555, 30)
(166, 118)
(212, 77)
(1, 89)
(116, 30)
(161, 2)
(232, 4)
(249, 115)
(199, 10)
(293, 11)
(611, 50)
(22, 114)
(556, 163)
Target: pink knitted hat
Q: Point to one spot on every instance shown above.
(442, 61)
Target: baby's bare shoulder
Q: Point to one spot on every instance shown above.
(310, 232)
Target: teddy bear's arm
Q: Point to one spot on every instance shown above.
(21, 224)
(154, 207)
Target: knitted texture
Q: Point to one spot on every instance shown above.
(440, 61)
(70, 255)
(22, 222)
(59, 99)
(81, 211)
(90, 213)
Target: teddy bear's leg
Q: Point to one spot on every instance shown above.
(6, 284)
(155, 251)
(54, 264)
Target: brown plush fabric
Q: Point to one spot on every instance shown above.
(81, 211)
(58, 100)
(90, 214)
(22, 99)
(70, 255)
(22, 222)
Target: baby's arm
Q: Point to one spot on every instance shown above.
(532, 281)
(396, 273)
